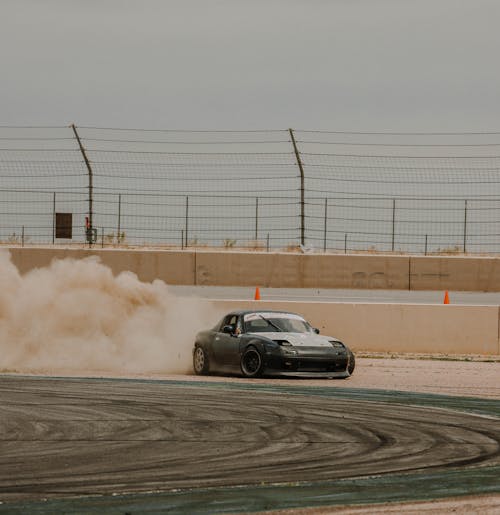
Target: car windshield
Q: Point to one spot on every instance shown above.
(269, 322)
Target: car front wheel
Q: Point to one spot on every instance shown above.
(352, 363)
(200, 361)
(251, 363)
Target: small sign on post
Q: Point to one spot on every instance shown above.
(90, 232)
(64, 225)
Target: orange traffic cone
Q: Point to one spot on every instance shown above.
(257, 294)
(446, 298)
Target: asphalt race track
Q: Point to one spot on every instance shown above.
(469, 298)
(182, 446)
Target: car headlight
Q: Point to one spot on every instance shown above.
(286, 347)
(336, 344)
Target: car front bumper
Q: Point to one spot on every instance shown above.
(302, 365)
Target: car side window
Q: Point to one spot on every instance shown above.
(229, 320)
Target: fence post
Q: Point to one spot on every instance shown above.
(54, 219)
(119, 218)
(91, 186)
(465, 226)
(393, 221)
(302, 186)
(425, 251)
(326, 218)
(186, 222)
(256, 219)
(345, 243)
(267, 244)
(22, 237)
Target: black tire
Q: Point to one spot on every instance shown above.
(201, 364)
(352, 363)
(252, 364)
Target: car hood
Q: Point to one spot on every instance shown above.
(300, 339)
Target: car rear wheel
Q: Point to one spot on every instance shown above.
(352, 363)
(251, 363)
(200, 361)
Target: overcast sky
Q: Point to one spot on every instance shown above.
(414, 65)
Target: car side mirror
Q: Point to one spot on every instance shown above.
(228, 329)
(316, 330)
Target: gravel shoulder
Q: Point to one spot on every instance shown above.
(469, 377)
(480, 505)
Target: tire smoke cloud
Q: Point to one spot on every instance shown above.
(75, 317)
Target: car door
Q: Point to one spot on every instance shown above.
(226, 346)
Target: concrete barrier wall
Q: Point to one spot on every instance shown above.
(455, 273)
(406, 328)
(271, 270)
(171, 267)
(275, 270)
(301, 270)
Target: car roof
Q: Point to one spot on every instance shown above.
(248, 311)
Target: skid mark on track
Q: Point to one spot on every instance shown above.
(290, 446)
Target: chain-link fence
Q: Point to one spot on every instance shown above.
(327, 191)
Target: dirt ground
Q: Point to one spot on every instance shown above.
(467, 377)
(480, 505)
(472, 378)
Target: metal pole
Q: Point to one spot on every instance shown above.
(256, 219)
(182, 239)
(393, 221)
(425, 253)
(54, 219)
(465, 226)
(91, 187)
(345, 243)
(326, 217)
(102, 238)
(119, 218)
(267, 244)
(302, 188)
(187, 221)
(22, 237)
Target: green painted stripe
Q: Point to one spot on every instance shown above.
(380, 489)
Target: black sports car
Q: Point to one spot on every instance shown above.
(254, 343)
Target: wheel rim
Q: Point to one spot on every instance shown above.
(251, 362)
(199, 359)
